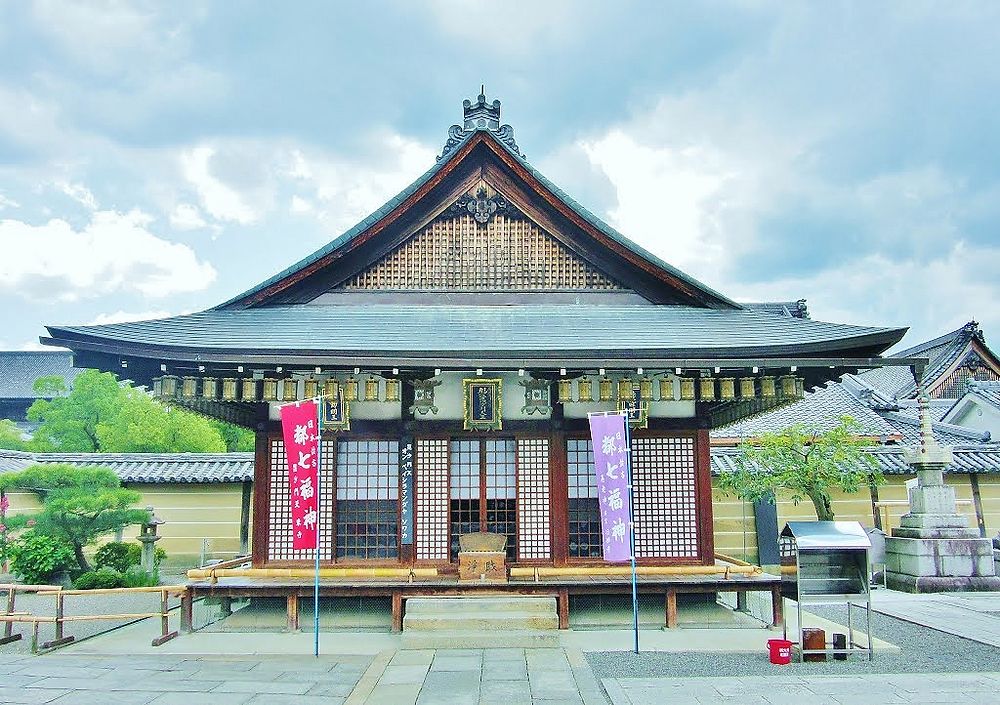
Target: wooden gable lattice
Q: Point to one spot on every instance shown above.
(481, 243)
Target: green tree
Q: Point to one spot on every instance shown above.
(79, 504)
(236, 438)
(102, 415)
(10, 436)
(804, 463)
(50, 386)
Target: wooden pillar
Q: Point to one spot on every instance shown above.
(777, 607)
(397, 611)
(187, 611)
(558, 498)
(292, 612)
(245, 518)
(703, 483)
(261, 498)
(8, 628)
(670, 608)
(977, 502)
(562, 603)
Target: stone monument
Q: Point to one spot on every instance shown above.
(934, 550)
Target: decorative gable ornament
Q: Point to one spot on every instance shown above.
(537, 397)
(423, 396)
(483, 207)
(480, 116)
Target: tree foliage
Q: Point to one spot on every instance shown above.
(803, 463)
(11, 437)
(79, 504)
(102, 415)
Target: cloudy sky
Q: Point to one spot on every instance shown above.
(159, 158)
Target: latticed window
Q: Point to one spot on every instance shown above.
(483, 490)
(582, 508)
(368, 499)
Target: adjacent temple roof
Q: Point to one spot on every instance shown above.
(20, 368)
(369, 295)
(953, 358)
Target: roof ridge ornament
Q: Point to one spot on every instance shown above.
(480, 116)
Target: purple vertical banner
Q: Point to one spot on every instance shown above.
(611, 464)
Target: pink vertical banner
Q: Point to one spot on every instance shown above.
(611, 464)
(300, 427)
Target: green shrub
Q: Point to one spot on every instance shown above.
(136, 577)
(116, 555)
(36, 558)
(100, 579)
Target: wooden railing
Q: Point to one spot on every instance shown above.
(59, 618)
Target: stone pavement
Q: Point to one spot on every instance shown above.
(970, 615)
(925, 689)
(443, 677)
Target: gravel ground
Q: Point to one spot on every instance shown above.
(922, 650)
(82, 605)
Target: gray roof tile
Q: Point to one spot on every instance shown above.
(20, 368)
(146, 468)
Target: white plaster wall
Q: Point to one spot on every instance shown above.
(981, 418)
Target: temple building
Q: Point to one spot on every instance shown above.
(462, 332)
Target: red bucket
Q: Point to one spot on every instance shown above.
(780, 651)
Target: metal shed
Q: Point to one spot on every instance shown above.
(824, 563)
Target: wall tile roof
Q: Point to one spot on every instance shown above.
(146, 468)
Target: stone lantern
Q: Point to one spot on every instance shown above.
(148, 538)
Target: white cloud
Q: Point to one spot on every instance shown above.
(127, 317)
(186, 217)
(218, 198)
(8, 202)
(113, 252)
(300, 205)
(79, 193)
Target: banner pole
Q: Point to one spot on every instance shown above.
(631, 532)
(319, 513)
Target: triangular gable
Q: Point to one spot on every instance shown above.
(482, 242)
(482, 154)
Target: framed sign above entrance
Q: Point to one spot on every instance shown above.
(482, 405)
(337, 413)
(638, 410)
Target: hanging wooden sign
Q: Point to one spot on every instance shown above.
(482, 408)
(337, 413)
(636, 409)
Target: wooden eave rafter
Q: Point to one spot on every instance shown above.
(506, 173)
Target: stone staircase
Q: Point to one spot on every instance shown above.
(480, 622)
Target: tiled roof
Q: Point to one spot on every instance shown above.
(20, 368)
(937, 408)
(966, 459)
(505, 330)
(945, 433)
(819, 410)
(988, 391)
(146, 468)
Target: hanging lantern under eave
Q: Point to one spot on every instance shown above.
(168, 386)
(707, 388)
(350, 389)
(606, 390)
(371, 389)
(249, 390)
(646, 389)
(767, 390)
(289, 390)
(209, 388)
(331, 389)
(625, 388)
(747, 390)
(687, 388)
(787, 386)
(189, 387)
(565, 391)
(585, 390)
(392, 390)
(270, 387)
(666, 389)
(727, 388)
(310, 389)
(229, 389)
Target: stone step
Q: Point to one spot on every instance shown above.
(486, 605)
(466, 621)
(474, 639)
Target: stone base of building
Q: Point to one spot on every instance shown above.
(953, 562)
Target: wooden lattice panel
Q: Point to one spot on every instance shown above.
(431, 507)
(368, 499)
(533, 498)
(457, 253)
(279, 545)
(583, 512)
(666, 506)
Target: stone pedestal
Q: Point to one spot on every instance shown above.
(934, 550)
